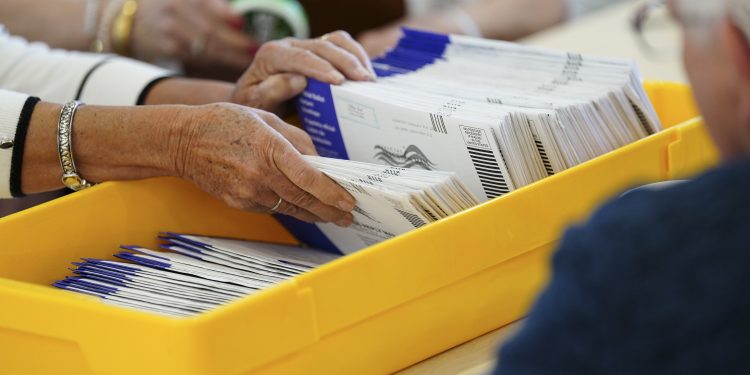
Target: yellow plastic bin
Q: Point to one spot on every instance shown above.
(376, 311)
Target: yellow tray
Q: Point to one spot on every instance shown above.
(376, 311)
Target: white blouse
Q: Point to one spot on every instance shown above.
(31, 70)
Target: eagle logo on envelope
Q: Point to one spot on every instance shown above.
(410, 157)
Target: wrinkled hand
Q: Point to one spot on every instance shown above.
(204, 31)
(249, 159)
(279, 69)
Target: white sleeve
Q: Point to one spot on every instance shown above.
(60, 76)
(31, 70)
(15, 113)
(577, 8)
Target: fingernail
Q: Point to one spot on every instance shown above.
(336, 77)
(364, 75)
(346, 205)
(298, 83)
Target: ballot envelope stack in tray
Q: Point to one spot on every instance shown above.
(499, 114)
(192, 274)
(451, 122)
(398, 199)
(389, 201)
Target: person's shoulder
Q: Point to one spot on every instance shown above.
(654, 282)
(717, 197)
(689, 218)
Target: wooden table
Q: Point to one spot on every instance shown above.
(605, 33)
(476, 357)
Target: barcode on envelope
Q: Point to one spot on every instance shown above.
(540, 148)
(430, 214)
(415, 220)
(438, 123)
(645, 123)
(489, 173)
(545, 157)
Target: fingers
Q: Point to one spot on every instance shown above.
(279, 57)
(306, 192)
(324, 60)
(343, 60)
(178, 38)
(242, 204)
(210, 22)
(264, 201)
(313, 181)
(289, 209)
(294, 202)
(345, 41)
(270, 201)
(275, 75)
(274, 90)
(299, 203)
(231, 47)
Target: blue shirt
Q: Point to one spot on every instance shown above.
(657, 282)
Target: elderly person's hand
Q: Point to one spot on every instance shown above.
(243, 155)
(246, 157)
(278, 73)
(203, 31)
(250, 159)
(280, 67)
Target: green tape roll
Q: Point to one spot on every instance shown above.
(272, 19)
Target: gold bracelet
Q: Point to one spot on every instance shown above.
(122, 27)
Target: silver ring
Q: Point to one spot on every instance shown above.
(197, 46)
(274, 208)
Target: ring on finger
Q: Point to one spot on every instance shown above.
(277, 205)
(325, 37)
